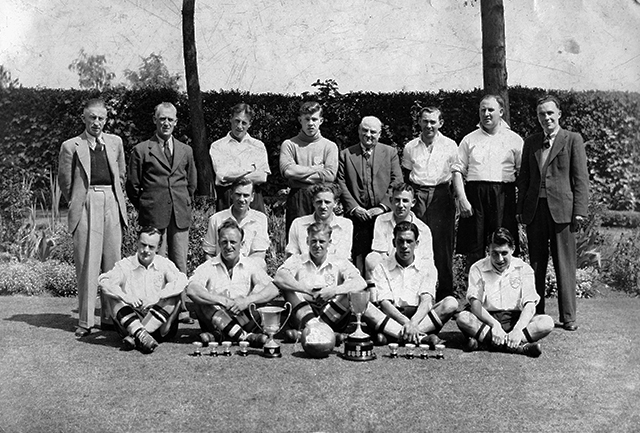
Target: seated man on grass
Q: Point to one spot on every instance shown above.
(317, 284)
(252, 222)
(503, 298)
(324, 196)
(223, 288)
(144, 294)
(406, 291)
(402, 200)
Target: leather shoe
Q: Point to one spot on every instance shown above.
(470, 345)
(292, 336)
(570, 327)
(82, 332)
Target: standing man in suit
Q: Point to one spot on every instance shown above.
(91, 172)
(161, 182)
(553, 201)
(367, 173)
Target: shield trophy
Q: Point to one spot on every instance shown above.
(270, 319)
(358, 346)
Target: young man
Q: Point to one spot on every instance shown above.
(144, 293)
(91, 174)
(253, 223)
(239, 156)
(305, 160)
(224, 287)
(324, 201)
(489, 162)
(429, 162)
(503, 300)
(553, 199)
(316, 283)
(367, 173)
(406, 293)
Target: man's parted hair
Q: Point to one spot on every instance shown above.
(317, 227)
(242, 181)
(406, 226)
(548, 98)
(164, 105)
(94, 102)
(230, 224)
(150, 230)
(498, 99)
(401, 187)
(501, 237)
(430, 109)
(324, 187)
(310, 107)
(243, 108)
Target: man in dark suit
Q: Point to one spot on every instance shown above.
(161, 182)
(91, 173)
(553, 198)
(367, 173)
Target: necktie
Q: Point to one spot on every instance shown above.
(367, 154)
(99, 145)
(167, 152)
(547, 141)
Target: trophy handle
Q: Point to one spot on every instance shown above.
(288, 315)
(252, 307)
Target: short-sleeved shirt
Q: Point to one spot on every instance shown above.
(248, 276)
(254, 224)
(404, 286)
(130, 277)
(509, 291)
(430, 165)
(229, 155)
(309, 151)
(341, 236)
(383, 236)
(490, 158)
(334, 271)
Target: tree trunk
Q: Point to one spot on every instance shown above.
(198, 128)
(494, 63)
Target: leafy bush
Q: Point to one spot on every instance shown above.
(585, 282)
(622, 269)
(628, 219)
(33, 277)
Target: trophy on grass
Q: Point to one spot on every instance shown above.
(270, 319)
(358, 346)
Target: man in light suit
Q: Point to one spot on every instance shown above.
(161, 182)
(367, 173)
(553, 198)
(91, 172)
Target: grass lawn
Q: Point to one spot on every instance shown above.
(586, 381)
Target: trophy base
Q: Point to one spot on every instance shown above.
(358, 349)
(272, 351)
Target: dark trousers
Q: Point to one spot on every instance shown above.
(436, 208)
(223, 198)
(299, 203)
(544, 234)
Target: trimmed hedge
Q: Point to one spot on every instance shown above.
(628, 219)
(34, 122)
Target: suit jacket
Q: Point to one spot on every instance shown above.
(566, 181)
(159, 189)
(74, 174)
(386, 174)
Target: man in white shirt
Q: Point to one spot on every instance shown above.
(503, 299)
(406, 294)
(144, 293)
(223, 288)
(253, 223)
(490, 159)
(239, 156)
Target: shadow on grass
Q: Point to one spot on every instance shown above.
(46, 320)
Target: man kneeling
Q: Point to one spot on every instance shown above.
(144, 293)
(406, 290)
(503, 300)
(223, 288)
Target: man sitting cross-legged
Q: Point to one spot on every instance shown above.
(223, 288)
(144, 293)
(503, 300)
(406, 290)
(317, 283)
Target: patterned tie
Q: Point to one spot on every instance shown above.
(547, 141)
(99, 145)
(167, 152)
(367, 154)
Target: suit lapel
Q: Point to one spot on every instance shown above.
(377, 158)
(82, 150)
(178, 153)
(558, 144)
(155, 149)
(356, 160)
(110, 148)
(538, 149)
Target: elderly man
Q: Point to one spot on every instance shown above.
(305, 160)
(144, 292)
(239, 156)
(91, 173)
(428, 163)
(553, 198)
(406, 294)
(324, 198)
(253, 223)
(161, 182)
(317, 284)
(489, 162)
(223, 288)
(367, 174)
(503, 302)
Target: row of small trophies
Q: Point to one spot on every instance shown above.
(410, 351)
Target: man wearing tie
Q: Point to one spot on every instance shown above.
(161, 182)
(91, 173)
(553, 199)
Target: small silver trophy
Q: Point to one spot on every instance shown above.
(358, 346)
(270, 319)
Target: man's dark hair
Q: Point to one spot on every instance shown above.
(548, 98)
(150, 231)
(405, 226)
(242, 181)
(324, 187)
(430, 109)
(310, 107)
(498, 99)
(230, 224)
(501, 237)
(243, 108)
(401, 187)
